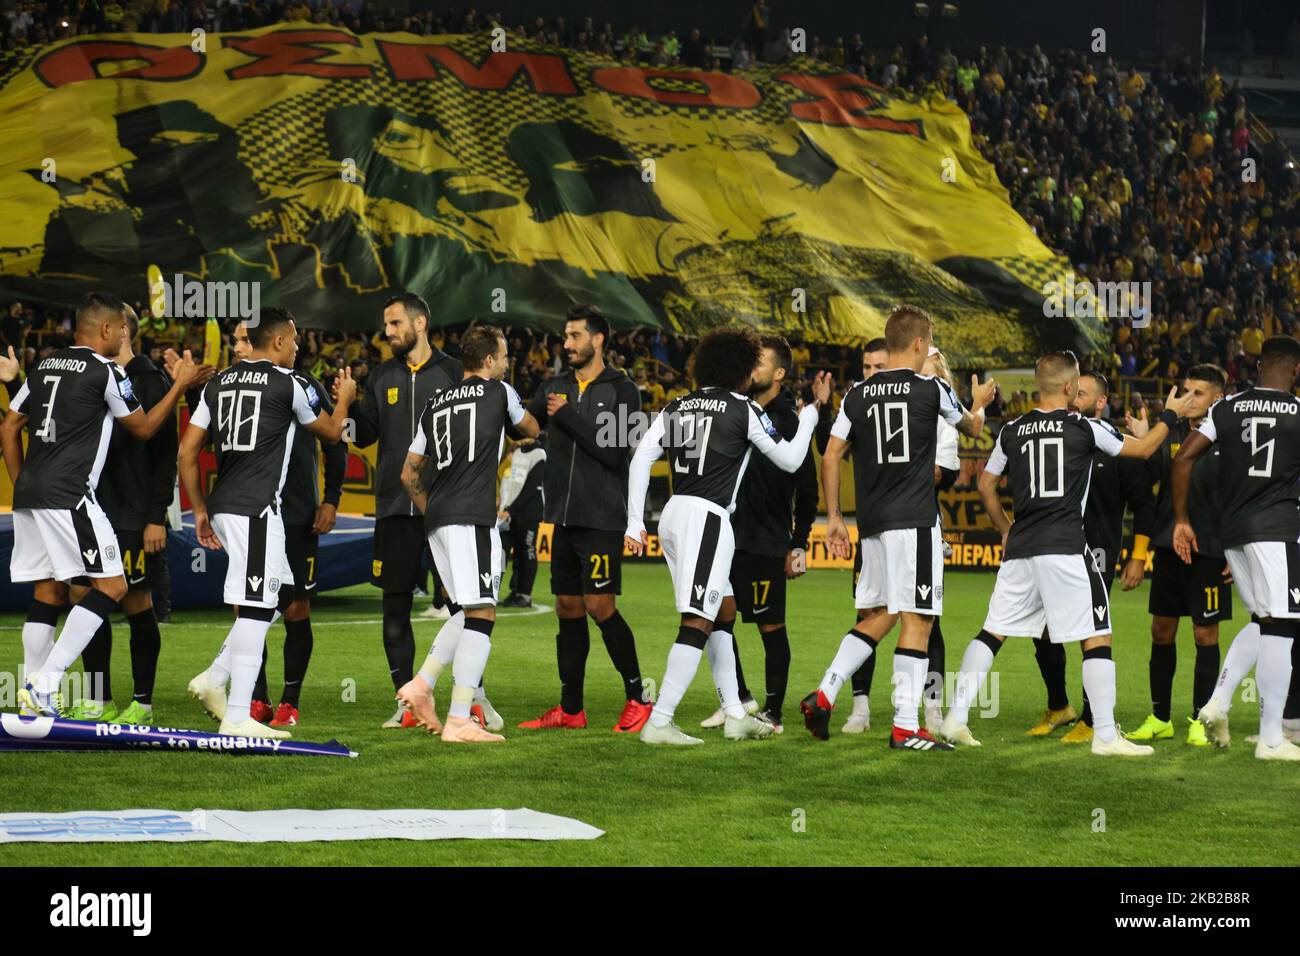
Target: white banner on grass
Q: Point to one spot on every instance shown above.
(288, 826)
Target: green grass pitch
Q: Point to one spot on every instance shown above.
(785, 801)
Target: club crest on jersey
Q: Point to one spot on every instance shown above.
(714, 597)
(273, 585)
(392, 395)
(110, 553)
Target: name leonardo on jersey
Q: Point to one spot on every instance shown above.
(62, 365)
(1039, 426)
(245, 377)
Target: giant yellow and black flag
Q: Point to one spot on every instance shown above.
(333, 168)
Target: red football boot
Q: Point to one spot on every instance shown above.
(635, 714)
(557, 719)
(260, 711)
(286, 715)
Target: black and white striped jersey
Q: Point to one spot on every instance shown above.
(70, 399)
(709, 435)
(1047, 458)
(892, 419)
(462, 429)
(252, 410)
(1258, 432)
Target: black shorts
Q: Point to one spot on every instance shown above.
(1195, 590)
(586, 561)
(401, 554)
(141, 569)
(300, 545)
(758, 582)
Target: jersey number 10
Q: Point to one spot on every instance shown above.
(1046, 467)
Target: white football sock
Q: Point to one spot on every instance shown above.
(909, 683)
(78, 629)
(462, 698)
(853, 653)
(443, 651)
(1099, 685)
(975, 664)
(38, 640)
(683, 662)
(467, 668)
(219, 669)
(722, 661)
(246, 640)
(1241, 657)
(1273, 674)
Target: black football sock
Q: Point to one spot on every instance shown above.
(938, 655)
(572, 644)
(146, 645)
(96, 661)
(861, 679)
(1051, 664)
(1205, 675)
(260, 691)
(1164, 661)
(1292, 710)
(745, 695)
(297, 653)
(399, 638)
(621, 646)
(776, 667)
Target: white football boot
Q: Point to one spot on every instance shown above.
(859, 721)
(213, 698)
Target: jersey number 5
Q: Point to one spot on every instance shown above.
(1250, 435)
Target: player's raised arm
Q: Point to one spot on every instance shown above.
(365, 418)
(1175, 408)
(969, 423)
(647, 453)
(789, 455)
(326, 427)
(141, 424)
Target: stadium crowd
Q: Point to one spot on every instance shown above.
(1135, 178)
